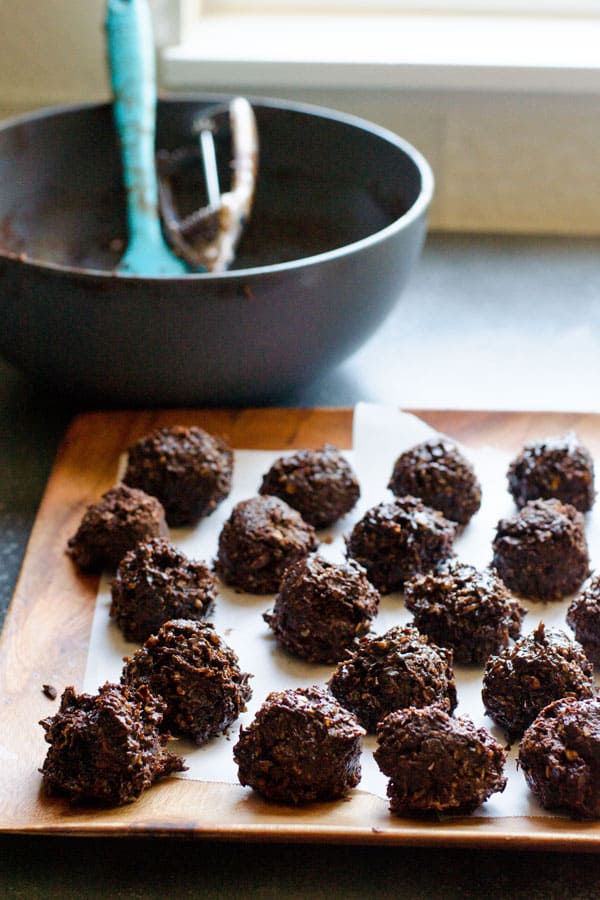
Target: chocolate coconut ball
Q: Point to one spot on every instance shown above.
(392, 671)
(394, 541)
(583, 615)
(560, 757)
(106, 748)
(197, 675)
(541, 553)
(322, 608)
(121, 518)
(465, 609)
(302, 746)
(558, 467)
(188, 470)
(261, 539)
(437, 763)
(541, 667)
(320, 484)
(156, 582)
(437, 472)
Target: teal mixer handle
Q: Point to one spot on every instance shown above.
(132, 72)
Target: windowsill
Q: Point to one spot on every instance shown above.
(494, 53)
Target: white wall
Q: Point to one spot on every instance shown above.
(513, 163)
(51, 52)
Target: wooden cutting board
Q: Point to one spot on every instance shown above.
(45, 641)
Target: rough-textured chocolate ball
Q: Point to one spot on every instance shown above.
(558, 467)
(438, 473)
(106, 748)
(261, 539)
(466, 609)
(560, 757)
(115, 524)
(541, 667)
(437, 763)
(155, 582)
(392, 671)
(394, 541)
(541, 553)
(188, 470)
(322, 608)
(320, 484)
(301, 746)
(583, 615)
(196, 673)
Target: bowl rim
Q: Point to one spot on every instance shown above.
(418, 208)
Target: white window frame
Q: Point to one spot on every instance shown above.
(431, 52)
(181, 13)
(341, 7)
(174, 18)
(511, 125)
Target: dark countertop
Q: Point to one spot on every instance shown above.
(523, 315)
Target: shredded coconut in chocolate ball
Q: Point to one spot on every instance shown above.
(392, 671)
(196, 673)
(301, 746)
(560, 757)
(322, 608)
(155, 582)
(394, 541)
(541, 667)
(466, 609)
(583, 615)
(261, 539)
(115, 524)
(558, 467)
(437, 763)
(437, 472)
(320, 484)
(541, 553)
(106, 748)
(188, 469)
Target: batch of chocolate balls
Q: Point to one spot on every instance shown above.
(305, 744)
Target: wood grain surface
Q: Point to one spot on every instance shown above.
(45, 641)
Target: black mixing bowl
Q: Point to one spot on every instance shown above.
(338, 223)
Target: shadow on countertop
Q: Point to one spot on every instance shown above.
(36, 867)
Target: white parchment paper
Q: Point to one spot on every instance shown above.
(380, 434)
